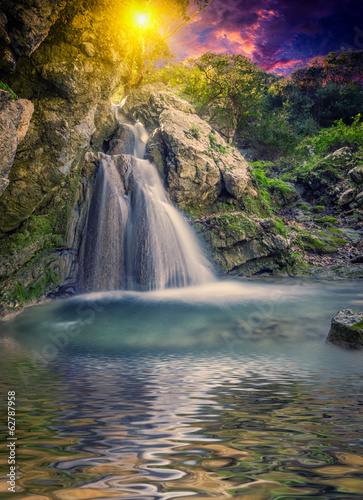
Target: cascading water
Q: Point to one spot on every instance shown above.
(135, 239)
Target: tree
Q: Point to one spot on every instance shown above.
(227, 88)
(160, 20)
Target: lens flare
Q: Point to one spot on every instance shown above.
(141, 19)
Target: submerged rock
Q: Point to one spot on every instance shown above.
(347, 329)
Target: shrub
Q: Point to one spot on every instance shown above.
(337, 136)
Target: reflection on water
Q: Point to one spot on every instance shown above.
(191, 393)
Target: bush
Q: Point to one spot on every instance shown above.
(337, 136)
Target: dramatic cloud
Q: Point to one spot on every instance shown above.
(277, 34)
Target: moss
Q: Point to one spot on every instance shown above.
(326, 220)
(322, 243)
(335, 231)
(234, 222)
(358, 326)
(28, 293)
(304, 207)
(318, 209)
(280, 227)
(260, 206)
(35, 231)
(283, 194)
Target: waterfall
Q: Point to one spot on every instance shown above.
(135, 239)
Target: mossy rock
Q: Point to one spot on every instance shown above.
(322, 243)
(347, 329)
(326, 221)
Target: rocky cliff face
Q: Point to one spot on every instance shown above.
(65, 59)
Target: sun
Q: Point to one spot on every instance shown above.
(141, 19)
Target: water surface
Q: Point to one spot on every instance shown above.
(222, 390)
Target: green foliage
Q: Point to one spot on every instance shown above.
(337, 136)
(322, 243)
(23, 294)
(326, 220)
(326, 90)
(3, 86)
(194, 131)
(148, 42)
(280, 227)
(226, 87)
(318, 209)
(215, 146)
(304, 207)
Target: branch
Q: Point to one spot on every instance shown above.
(187, 20)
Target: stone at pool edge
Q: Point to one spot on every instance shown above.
(347, 329)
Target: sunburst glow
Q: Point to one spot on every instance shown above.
(141, 19)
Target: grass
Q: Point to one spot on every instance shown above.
(5, 87)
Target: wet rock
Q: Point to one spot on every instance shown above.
(359, 200)
(123, 141)
(347, 329)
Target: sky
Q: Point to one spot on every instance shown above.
(278, 35)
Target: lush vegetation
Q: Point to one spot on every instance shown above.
(271, 114)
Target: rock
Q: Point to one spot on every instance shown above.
(356, 174)
(347, 197)
(70, 90)
(347, 329)
(195, 161)
(26, 110)
(340, 159)
(243, 245)
(359, 200)
(123, 141)
(24, 26)
(15, 118)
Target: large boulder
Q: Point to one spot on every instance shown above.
(347, 329)
(242, 245)
(347, 197)
(195, 161)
